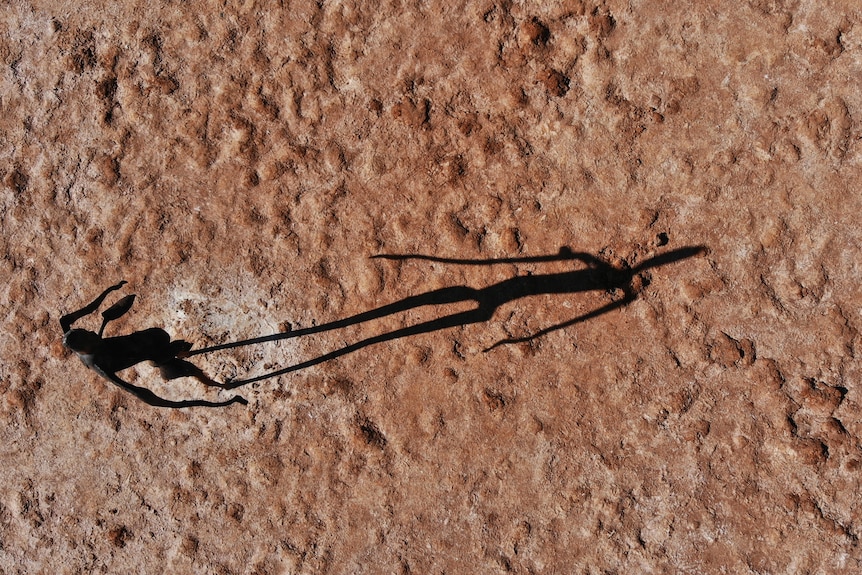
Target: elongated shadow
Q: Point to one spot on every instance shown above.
(598, 275)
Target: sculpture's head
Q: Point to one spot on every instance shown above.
(81, 341)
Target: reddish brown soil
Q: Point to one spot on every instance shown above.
(239, 166)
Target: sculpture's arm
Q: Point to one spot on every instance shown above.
(67, 320)
(151, 398)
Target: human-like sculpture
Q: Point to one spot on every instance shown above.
(106, 356)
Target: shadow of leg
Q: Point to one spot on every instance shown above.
(437, 297)
(480, 314)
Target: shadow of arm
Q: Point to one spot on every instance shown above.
(581, 318)
(564, 254)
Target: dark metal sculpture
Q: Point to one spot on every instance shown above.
(108, 355)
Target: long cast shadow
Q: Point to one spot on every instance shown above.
(598, 275)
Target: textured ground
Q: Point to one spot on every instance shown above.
(239, 165)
